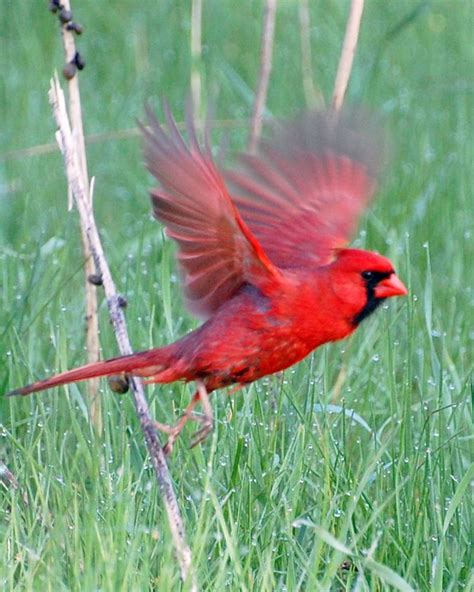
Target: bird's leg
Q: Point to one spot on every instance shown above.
(174, 431)
(207, 419)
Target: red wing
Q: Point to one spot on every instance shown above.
(303, 193)
(216, 251)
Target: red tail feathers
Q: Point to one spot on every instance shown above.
(154, 363)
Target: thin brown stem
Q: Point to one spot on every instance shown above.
(196, 58)
(313, 95)
(123, 134)
(91, 316)
(347, 54)
(7, 477)
(64, 137)
(264, 74)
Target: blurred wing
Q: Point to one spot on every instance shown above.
(303, 193)
(217, 253)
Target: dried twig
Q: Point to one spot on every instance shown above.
(97, 138)
(347, 53)
(75, 111)
(10, 482)
(196, 57)
(313, 95)
(7, 477)
(264, 74)
(65, 140)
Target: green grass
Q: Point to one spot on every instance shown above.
(286, 489)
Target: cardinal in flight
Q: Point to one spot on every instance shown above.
(262, 251)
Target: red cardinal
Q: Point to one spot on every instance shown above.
(263, 264)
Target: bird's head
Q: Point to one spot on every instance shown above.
(362, 280)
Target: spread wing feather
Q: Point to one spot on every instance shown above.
(217, 253)
(302, 194)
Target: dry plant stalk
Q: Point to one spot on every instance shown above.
(264, 74)
(347, 54)
(64, 137)
(340, 86)
(92, 319)
(97, 138)
(313, 96)
(7, 477)
(196, 57)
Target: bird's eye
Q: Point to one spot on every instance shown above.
(367, 275)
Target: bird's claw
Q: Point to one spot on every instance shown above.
(206, 421)
(173, 431)
(203, 432)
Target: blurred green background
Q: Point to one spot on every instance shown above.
(285, 487)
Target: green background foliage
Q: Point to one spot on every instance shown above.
(287, 488)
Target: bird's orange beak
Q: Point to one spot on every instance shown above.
(391, 286)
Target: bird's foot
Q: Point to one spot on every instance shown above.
(203, 432)
(173, 431)
(206, 421)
